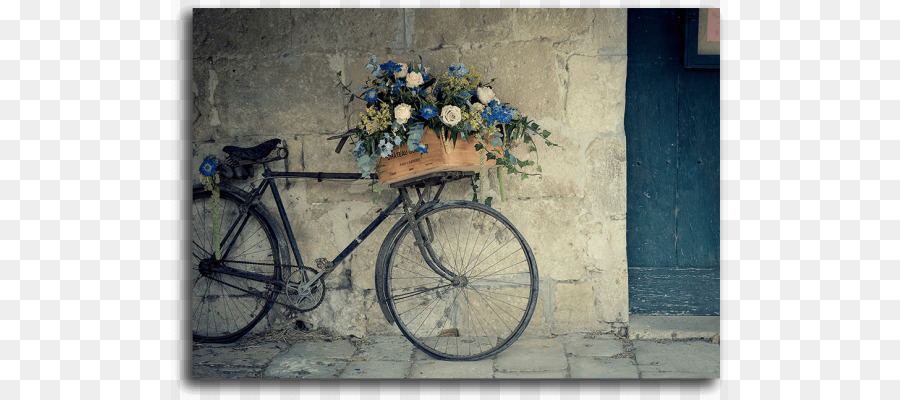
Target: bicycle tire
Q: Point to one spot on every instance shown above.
(223, 307)
(484, 312)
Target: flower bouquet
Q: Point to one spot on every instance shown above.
(409, 110)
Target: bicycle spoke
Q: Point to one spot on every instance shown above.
(227, 305)
(492, 299)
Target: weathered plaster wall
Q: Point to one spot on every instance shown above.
(259, 74)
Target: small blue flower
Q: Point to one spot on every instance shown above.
(371, 95)
(422, 148)
(373, 66)
(459, 70)
(390, 67)
(428, 112)
(397, 140)
(358, 150)
(208, 168)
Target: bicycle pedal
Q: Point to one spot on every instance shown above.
(324, 265)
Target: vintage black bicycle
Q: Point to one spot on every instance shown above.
(456, 277)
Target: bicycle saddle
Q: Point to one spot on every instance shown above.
(252, 153)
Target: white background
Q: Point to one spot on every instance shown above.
(94, 142)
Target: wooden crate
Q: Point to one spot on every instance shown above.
(403, 164)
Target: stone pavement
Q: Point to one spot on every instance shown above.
(570, 356)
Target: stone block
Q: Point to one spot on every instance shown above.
(504, 310)
(377, 323)
(547, 225)
(562, 168)
(575, 310)
(595, 100)
(319, 156)
(538, 326)
(604, 174)
(232, 32)
(279, 96)
(555, 25)
(341, 311)
(610, 31)
(440, 27)
(611, 293)
(324, 230)
(339, 30)
(527, 76)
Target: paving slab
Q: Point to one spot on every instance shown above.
(606, 347)
(204, 372)
(229, 362)
(376, 369)
(387, 348)
(672, 327)
(338, 349)
(533, 354)
(221, 354)
(312, 360)
(602, 368)
(302, 368)
(675, 359)
(531, 375)
(436, 369)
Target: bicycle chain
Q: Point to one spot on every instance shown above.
(283, 290)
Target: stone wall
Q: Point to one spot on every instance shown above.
(259, 74)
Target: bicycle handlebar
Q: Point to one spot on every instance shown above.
(344, 136)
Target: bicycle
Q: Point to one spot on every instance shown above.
(456, 277)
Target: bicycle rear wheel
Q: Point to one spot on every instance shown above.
(224, 307)
(488, 302)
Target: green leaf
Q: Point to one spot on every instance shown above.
(488, 200)
(539, 169)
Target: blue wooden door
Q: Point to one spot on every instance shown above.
(672, 133)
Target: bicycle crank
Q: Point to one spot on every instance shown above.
(303, 294)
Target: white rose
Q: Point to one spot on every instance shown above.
(402, 113)
(451, 115)
(403, 70)
(485, 95)
(414, 79)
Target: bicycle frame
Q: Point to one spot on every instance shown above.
(423, 238)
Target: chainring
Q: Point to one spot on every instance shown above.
(301, 296)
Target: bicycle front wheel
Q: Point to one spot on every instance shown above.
(229, 237)
(491, 292)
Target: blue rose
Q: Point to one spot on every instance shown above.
(428, 112)
(208, 168)
(371, 95)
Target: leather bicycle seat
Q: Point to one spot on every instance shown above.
(252, 153)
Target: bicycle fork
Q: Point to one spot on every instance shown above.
(423, 232)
